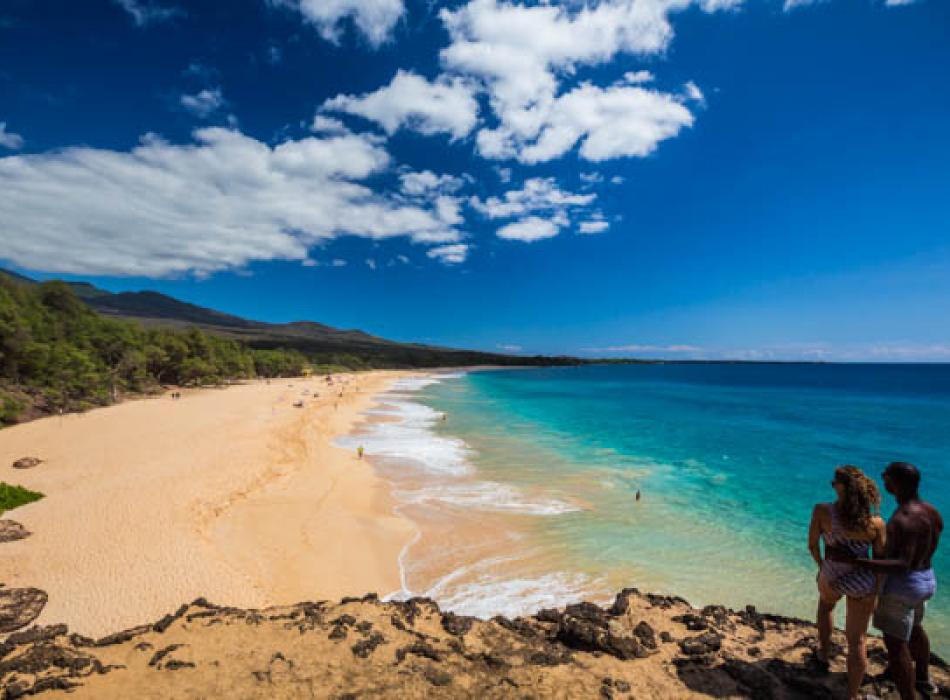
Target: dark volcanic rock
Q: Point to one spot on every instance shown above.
(702, 644)
(589, 632)
(646, 634)
(419, 649)
(457, 624)
(162, 653)
(367, 646)
(19, 607)
(123, 636)
(26, 463)
(622, 602)
(11, 530)
(692, 621)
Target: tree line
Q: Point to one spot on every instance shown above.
(56, 354)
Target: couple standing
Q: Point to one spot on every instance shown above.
(893, 586)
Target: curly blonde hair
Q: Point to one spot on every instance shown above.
(860, 500)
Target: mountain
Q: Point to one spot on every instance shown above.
(318, 341)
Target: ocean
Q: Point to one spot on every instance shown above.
(524, 482)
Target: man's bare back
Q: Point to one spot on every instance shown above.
(913, 533)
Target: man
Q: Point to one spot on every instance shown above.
(912, 536)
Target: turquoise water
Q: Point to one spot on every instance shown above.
(729, 459)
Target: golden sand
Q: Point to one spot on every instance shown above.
(233, 494)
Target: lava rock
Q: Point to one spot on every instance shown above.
(367, 646)
(19, 607)
(702, 644)
(26, 463)
(692, 621)
(11, 530)
(456, 624)
(646, 634)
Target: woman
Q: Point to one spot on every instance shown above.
(849, 527)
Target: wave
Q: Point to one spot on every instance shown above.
(406, 434)
(487, 495)
(480, 591)
(404, 442)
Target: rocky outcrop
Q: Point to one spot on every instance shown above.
(19, 607)
(641, 646)
(27, 463)
(11, 530)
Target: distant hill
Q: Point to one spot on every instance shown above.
(318, 341)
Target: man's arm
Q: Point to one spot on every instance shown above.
(902, 543)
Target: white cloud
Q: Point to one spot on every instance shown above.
(328, 126)
(692, 92)
(647, 349)
(448, 210)
(410, 101)
(144, 12)
(370, 263)
(424, 182)
(591, 178)
(529, 229)
(638, 77)
(509, 347)
(519, 53)
(608, 122)
(8, 139)
(617, 180)
(504, 174)
(449, 254)
(203, 104)
(537, 194)
(375, 19)
(227, 199)
(898, 3)
(336, 262)
(592, 226)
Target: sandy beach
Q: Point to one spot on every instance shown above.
(232, 494)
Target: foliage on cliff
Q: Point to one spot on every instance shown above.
(58, 354)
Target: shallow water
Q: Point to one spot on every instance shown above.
(525, 492)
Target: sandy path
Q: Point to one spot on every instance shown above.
(232, 494)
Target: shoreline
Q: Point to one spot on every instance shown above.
(231, 493)
(476, 550)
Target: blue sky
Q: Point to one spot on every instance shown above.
(721, 178)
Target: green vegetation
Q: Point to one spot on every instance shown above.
(330, 349)
(13, 496)
(56, 354)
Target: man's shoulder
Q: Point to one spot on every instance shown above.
(917, 515)
(933, 513)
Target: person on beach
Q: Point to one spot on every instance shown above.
(359, 452)
(913, 533)
(849, 528)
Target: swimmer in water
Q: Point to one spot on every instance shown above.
(638, 494)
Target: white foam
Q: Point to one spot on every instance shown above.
(488, 594)
(408, 437)
(408, 440)
(489, 496)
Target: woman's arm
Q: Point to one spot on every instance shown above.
(814, 534)
(880, 541)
